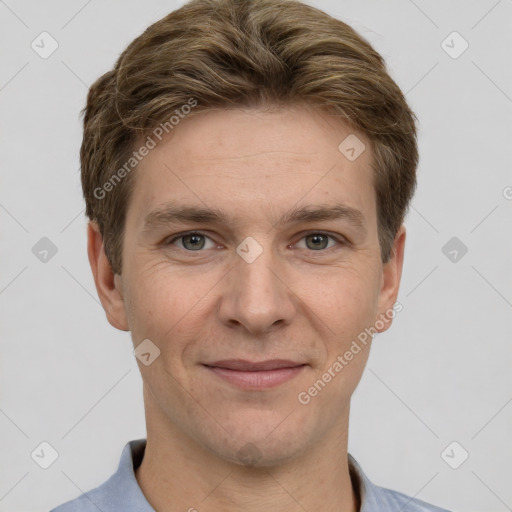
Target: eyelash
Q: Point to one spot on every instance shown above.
(340, 240)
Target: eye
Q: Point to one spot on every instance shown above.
(318, 241)
(192, 241)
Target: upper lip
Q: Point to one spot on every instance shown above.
(252, 366)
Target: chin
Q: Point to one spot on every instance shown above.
(264, 443)
(261, 454)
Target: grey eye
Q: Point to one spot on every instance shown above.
(317, 241)
(193, 242)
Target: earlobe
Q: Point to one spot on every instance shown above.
(390, 283)
(108, 284)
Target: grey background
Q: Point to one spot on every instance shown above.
(442, 373)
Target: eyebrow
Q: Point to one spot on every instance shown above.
(173, 214)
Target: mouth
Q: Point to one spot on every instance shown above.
(251, 375)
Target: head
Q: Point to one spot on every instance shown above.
(274, 134)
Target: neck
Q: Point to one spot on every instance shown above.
(177, 474)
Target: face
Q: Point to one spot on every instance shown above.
(251, 261)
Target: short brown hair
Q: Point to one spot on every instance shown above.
(243, 53)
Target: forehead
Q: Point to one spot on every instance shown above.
(304, 133)
(239, 159)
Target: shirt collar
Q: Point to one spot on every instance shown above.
(126, 493)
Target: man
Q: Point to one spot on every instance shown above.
(247, 166)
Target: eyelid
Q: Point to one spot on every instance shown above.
(340, 239)
(171, 239)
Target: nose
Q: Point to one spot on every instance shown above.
(257, 295)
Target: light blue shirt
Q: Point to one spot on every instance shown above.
(121, 492)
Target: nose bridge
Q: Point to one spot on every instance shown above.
(257, 297)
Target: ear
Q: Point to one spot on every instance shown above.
(390, 282)
(108, 284)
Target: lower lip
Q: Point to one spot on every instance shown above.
(257, 380)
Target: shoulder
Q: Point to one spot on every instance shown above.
(90, 501)
(87, 502)
(394, 500)
(120, 492)
(380, 499)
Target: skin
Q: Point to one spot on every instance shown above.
(297, 301)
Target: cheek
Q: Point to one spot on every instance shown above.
(347, 301)
(156, 302)
(347, 306)
(346, 311)
(169, 308)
